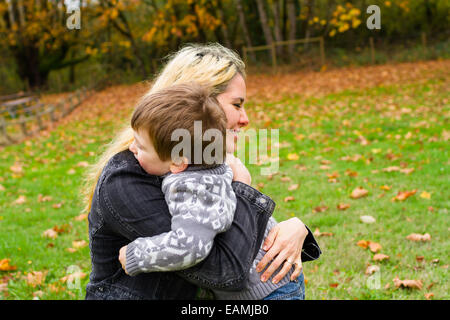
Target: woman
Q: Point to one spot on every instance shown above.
(118, 217)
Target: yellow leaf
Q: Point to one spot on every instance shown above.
(425, 195)
(292, 156)
(5, 266)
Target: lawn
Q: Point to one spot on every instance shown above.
(382, 130)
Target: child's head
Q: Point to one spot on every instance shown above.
(159, 114)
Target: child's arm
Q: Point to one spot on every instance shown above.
(201, 206)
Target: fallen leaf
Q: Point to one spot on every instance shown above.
(2, 188)
(363, 244)
(419, 237)
(42, 198)
(289, 198)
(79, 244)
(419, 258)
(372, 269)
(57, 205)
(412, 284)
(63, 228)
(72, 276)
(35, 278)
(293, 187)
(359, 192)
(84, 216)
(50, 233)
(16, 168)
(351, 173)
(374, 246)
(317, 233)
(380, 257)
(334, 285)
(71, 250)
(367, 219)
(407, 170)
(425, 195)
(428, 296)
(20, 200)
(320, 209)
(384, 187)
(286, 179)
(292, 156)
(5, 266)
(403, 195)
(71, 171)
(83, 164)
(343, 206)
(391, 169)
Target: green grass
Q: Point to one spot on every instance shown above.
(408, 121)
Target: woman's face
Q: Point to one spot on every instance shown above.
(232, 102)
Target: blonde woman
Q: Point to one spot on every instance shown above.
(125, 203)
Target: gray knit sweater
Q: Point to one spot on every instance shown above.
(202, 204)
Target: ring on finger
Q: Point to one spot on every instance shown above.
(290, 261)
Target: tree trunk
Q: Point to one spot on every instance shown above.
(241, 14)
(264, 23)
(310, 6)
(292, 25)
(223, 25)
(277, 30)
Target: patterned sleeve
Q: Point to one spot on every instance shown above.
(201, 206)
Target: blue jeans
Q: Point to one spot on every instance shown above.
(291, 291)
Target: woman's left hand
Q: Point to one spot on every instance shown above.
(283, 245)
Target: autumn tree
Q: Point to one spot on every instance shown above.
(36, 34)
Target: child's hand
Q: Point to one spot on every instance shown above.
(123, 257)
(240, 172)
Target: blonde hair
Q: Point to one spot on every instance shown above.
(211, 65)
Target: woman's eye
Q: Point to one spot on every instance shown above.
(237, 105)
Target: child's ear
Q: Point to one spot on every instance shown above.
(179, 166)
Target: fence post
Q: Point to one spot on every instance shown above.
(274, 57)
(322, 51)
(3, 130)
(424, 42)
(23, 125)
(372, 50)
(244, 53)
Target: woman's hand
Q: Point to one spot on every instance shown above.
(240, 172)
(123, 257)
(284, 246)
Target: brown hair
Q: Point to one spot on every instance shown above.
(177, 107)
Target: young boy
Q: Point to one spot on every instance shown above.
(198, 193)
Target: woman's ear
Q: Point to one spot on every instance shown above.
(179, 166)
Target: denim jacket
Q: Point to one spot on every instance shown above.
(128, 203)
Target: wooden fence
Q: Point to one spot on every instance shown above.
(275, 44)
(22, 115)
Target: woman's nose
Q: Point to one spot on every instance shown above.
(243, 120)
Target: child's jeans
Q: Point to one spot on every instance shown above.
(291, 291)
